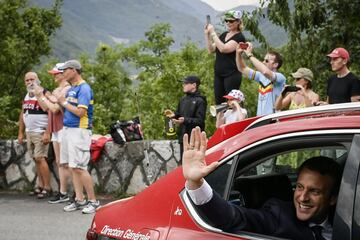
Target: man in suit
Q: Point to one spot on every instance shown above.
(307, 217)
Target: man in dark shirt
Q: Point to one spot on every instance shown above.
(344, 86)
(190, 111)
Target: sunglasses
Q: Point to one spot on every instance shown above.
(230, 21)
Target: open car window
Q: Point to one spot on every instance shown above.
(275, 176)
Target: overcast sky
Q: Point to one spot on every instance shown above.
(222, 5)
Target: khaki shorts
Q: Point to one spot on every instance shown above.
(35, 147)
(75, 147)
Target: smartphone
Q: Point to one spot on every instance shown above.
(243, 45)
(291, 89)
(208, 20)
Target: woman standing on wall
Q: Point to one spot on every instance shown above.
(227, 77)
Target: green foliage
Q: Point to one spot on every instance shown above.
(110, 84)
(160, 71)
(25, 33)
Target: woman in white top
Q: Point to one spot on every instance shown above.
(235, 112)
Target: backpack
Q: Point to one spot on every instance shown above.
(126, 131)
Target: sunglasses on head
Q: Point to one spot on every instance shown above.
(230, 20)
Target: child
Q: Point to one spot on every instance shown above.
(235, 112)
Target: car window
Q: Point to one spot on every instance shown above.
(288, 162)
(219, 178)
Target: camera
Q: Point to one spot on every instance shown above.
(291, 89)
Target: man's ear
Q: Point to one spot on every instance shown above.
(276, 64)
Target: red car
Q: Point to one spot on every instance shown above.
(259, 158)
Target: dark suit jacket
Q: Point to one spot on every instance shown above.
(276, 218)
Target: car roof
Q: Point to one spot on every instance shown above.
(337, 116)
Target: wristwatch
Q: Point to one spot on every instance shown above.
(249, 56)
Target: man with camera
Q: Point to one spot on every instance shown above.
(300, 95)
(270, 81)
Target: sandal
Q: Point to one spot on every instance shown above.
(35, 191)
(44, 194)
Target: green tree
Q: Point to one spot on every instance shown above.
(159, 70)
(25, 35)
(111, 86)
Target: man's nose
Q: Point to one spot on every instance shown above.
(304, 196)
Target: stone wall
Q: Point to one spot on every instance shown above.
(123, 169)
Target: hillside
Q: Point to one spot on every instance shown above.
(86, 23)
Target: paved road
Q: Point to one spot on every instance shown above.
(25, 217)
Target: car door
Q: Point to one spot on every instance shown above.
(268, 158)
(347, 215)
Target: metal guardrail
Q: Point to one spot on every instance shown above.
(330, 108)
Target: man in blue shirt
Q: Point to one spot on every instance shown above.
(76, 138)
(270, 81)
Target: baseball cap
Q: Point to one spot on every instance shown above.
(339, 52)
(55, 69)
(232, 14)
(75, 64)
(191, 79)
(303, 73)
(235, 94)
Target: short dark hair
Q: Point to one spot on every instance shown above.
(324, 166)
(278, 58)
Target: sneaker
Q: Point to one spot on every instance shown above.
(76, 205)
(59, 198)
(91, 207)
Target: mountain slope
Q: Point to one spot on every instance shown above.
(86, 23)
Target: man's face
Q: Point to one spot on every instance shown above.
(69, 74)
(58, 77)
(269, 61)
(29, 79)
(312, 196)
(189, 87)
(337, 63)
